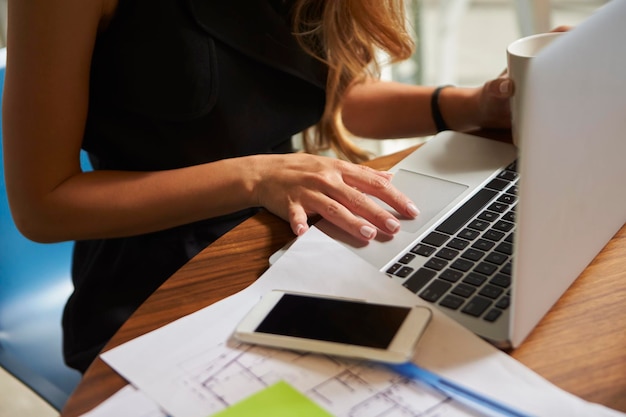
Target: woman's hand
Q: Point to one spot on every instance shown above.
(493, 100)
(297, 186)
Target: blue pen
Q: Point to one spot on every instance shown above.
(411, 371)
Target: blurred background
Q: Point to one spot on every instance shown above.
(463, 42)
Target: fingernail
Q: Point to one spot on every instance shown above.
(505, 86)
(392, 225)
(300, 229)
(413, 211)
(368, 232)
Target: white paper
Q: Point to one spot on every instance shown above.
(127, 402)
(173, 364)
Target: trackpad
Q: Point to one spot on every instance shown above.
(430, 195)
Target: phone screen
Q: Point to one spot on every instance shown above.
(334, 320)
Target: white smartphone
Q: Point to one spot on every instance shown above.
(335, 326)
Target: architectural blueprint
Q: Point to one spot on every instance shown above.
(223, 376)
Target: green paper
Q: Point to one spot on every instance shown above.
(278, 400)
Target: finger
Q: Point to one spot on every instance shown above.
(357, 171)
(358, 205)
(362, 205)
(382, 188)
(336, 213)
(502, 87)
(298, 220)
(562, 28)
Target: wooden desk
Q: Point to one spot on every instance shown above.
(580, 345)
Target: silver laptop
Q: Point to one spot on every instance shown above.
(504, 231)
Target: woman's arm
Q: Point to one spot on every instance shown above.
(378, 109)
(50, 45)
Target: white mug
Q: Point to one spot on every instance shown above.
(519, 54)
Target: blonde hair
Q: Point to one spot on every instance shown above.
(345, 35)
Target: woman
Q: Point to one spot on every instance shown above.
(186, 109)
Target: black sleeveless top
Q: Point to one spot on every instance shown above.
(176, 83)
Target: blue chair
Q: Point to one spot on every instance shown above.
(34, 285)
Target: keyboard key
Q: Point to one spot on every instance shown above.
(499, 207)
(501, 280)
(452, 302)
(479, 225)
(509, 216)
(512, 166)
(435, 290)
(473, 254)
(507, 175)
(435, 239)
(507, 268)
(451, 275)
(493, 235)
(404, 272)
(488, 215)
(463, 290)
(447, 253)
(486, 268)
(476, 306)
(457, 243)
(507, 199)
(497, 184)
(462, 265)
(491, 291)
(503, 226)
(419, 279)
(504, 302)
(436, 264)
(469, 234)
(482, 244)
(406, 258)
(394, 268)
(475, 279)
(493, 315)
(423, 250)
(461, 216)
(496, 258)
(505, 247)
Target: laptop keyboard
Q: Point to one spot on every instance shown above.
(465, 263)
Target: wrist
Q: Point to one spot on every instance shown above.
(252, 177)
(261, 172)
(459, 107)
(435, 110)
